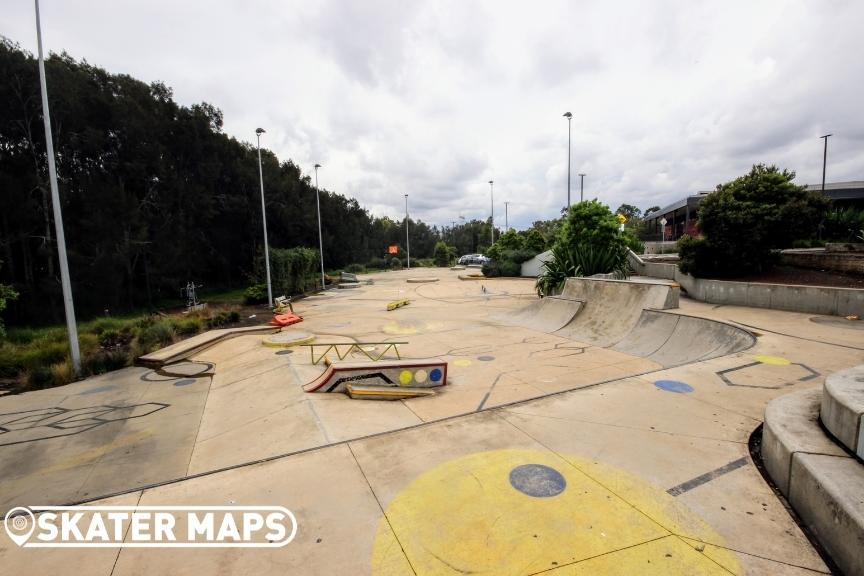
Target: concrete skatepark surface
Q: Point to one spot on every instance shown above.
(543, 454)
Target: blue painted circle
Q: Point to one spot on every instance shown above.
(184, 382)
(485, 358)
(537, 480)
(673, 386)
(435, 375)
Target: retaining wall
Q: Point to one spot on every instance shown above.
(807, 299)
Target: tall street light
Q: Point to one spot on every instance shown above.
(407, 240)
(824, 160)
(258, 132)
(69, 306)
(506, 220)
(492, 219)
(581, 187)
(569, 117)
(320, 237)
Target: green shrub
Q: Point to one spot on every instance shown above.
(843, 224)
(105, 361)
(218, 320)
(377, 263)
(234, 316)
(441, 254)
(255, 294)
(109, 338)
(156, 335)
(555, 271)
(189, 325)
(292, 270)
(355, 269)
(743, 222)
(394, 263)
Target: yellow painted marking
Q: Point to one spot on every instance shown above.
(405, 377)
(464, 516)
(772, 360)
(398, 304)
(399, 328)
(462, 362)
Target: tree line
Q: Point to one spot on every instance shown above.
(154, 195)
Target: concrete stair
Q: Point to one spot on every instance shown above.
(817, 470)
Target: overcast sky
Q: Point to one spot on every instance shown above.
(435, 98)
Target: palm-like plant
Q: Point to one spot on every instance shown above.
(555, 271)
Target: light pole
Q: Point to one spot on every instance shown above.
(824, 160)
(492, 219)
(258, 132)
(66, 284)
(569, 117)
(506, 220)
(407, 240)
(581, 187)
(320, 237)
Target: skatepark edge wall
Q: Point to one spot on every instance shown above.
(808, 299)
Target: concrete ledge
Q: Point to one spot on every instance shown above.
(822, 482)
(843, 407)
(828, 494)
(191, 346)
(792, 426)
(808, 299)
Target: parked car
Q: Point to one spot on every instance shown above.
(473, 259)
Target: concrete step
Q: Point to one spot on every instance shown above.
(190, 346)
(822, 482)
(842, 410)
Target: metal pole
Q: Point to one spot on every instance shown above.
(407, 239)
(258, 132)
(71, 327)
(569, 117)
(824, 160)
(492, 219)
(506, 220)
(581, 187)
(320, 237)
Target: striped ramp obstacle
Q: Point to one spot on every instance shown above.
(399, 374)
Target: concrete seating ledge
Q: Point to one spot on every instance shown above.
(822, 482)
(191, 346)
(842, 410)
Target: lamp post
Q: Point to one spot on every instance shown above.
(258, 132)
(824, 159)
(492, 219)
(569, 117)
(407, 239)
(581, 187)
(320, 237)
(506, 220)
(65, 281)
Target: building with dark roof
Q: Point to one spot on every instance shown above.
(681, 216)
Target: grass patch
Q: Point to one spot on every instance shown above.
(37, 358)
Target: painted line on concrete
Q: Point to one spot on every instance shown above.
(707, 477)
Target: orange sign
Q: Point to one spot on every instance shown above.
(394, 249)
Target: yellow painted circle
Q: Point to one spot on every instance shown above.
(405, 377)
(474, 515)
(399, 328)
(420, 376)
(462, 362)
(772, 360)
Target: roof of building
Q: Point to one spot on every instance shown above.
(853, 190)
